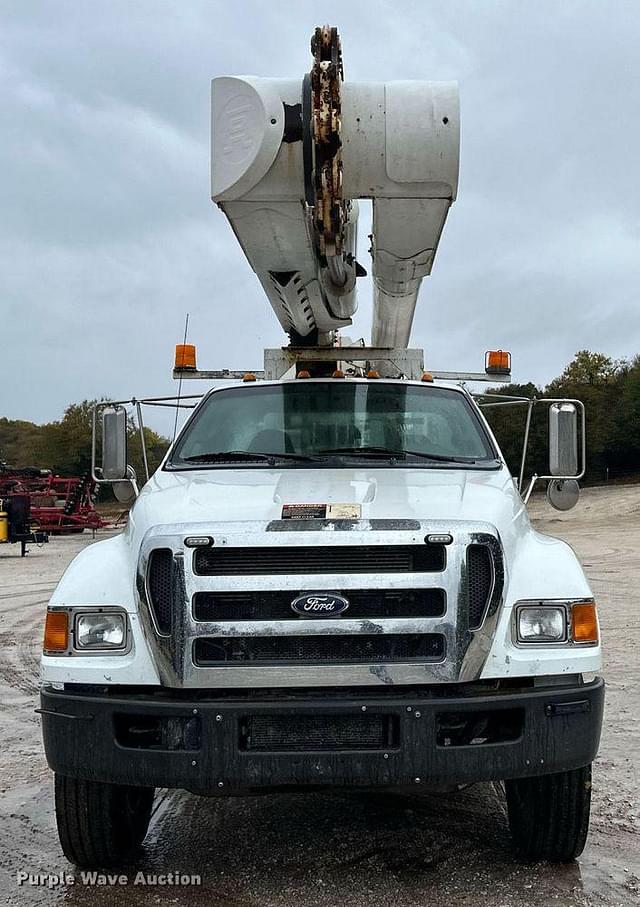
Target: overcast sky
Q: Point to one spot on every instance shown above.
(108, 235)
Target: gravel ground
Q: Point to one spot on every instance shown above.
(343, 848)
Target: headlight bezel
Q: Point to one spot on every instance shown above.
(74, 614)
(559, 607)
(99, 613)
(565, 606)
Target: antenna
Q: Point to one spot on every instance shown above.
(175, 424)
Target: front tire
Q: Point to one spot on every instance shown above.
(549, 815)
(100, 824)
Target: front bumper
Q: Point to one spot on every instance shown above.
(211, 744)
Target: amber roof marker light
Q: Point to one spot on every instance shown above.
(185, 357)
(497, 362)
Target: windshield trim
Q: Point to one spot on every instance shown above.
(490, 463)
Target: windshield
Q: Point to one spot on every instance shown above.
(323, 421)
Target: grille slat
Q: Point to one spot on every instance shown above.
(479, 583)
(368, 648)
(288, 561)
(160, 582)
(368, 604)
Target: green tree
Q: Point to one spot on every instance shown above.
(610, 392)
(65, 446)
(595, 380)
(508, 423)
(588, 368)
(18, 442)
(623, 450)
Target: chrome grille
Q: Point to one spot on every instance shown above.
(418, 613)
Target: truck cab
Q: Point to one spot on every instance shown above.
(329, 581)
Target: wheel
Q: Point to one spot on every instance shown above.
(100, 824)
(549, 815)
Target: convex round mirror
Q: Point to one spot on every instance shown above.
(563, 494)
(126, 490)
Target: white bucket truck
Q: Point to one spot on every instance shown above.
(332, 578)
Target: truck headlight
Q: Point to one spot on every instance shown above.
(541, 623)
(101, 630)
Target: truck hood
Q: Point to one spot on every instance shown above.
(256, 495)
(240, 503)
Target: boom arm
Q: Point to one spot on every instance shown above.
(289, 161)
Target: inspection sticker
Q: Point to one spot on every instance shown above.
(321, 511)
(344, 511)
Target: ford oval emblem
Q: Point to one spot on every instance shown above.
(319, 604)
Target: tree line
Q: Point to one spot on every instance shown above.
(609, 389)
(65, 446)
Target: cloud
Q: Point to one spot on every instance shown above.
(108, 236)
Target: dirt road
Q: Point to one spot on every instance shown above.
(341, 848)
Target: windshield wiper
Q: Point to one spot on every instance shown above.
(440, 458)
(383, 452)
(387, 453)
(248, 456)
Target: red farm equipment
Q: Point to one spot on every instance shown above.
(48, 504)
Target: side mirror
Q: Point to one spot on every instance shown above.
(563, 494)
(114, 443)
(563, 439)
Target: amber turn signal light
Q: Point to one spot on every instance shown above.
(56, 631)
(584, 622)
(185, 356)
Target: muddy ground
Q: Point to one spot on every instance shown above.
(340, 848)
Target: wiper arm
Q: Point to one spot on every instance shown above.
(387, 453)
(383, 452)
(439, 458)
(303, 458)
(247, 455)
(220, 455)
